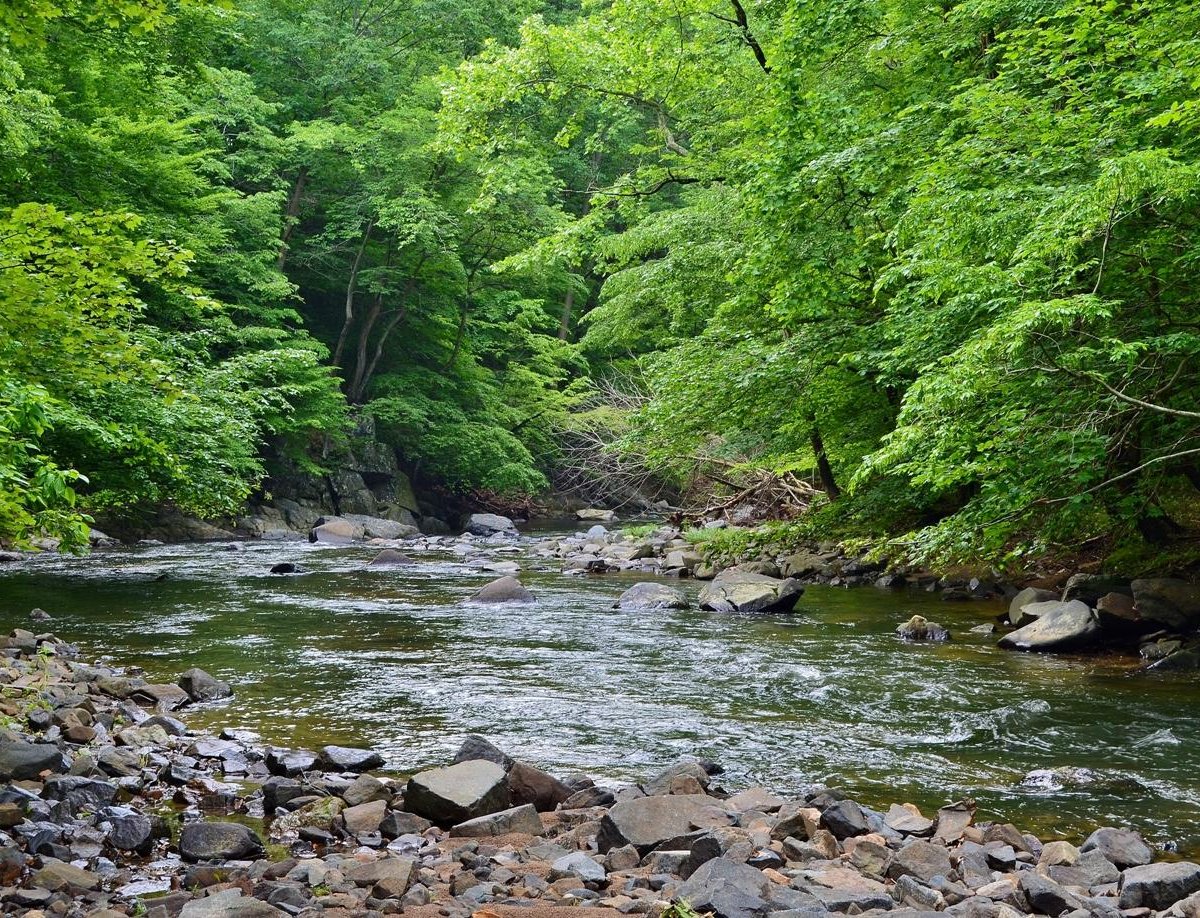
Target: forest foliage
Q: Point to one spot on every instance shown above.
(938, 258)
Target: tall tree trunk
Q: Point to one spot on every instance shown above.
(291, 215)
(564, 326)
(395, 319)
(824, 469)
(350, 286)
(364, 336)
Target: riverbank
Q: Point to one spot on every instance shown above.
(115, 807)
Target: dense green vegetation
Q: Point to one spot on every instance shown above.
(940, 259)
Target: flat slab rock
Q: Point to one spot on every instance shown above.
(741, 591)
(1057, 626)
(647, 822)
(454, 794)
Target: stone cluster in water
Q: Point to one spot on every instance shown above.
(110, 798)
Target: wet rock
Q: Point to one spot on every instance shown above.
(40, 615)
(218, 841)
(506, 589)
(1118, 612)
(1123, 847)
(454, 794)
(1158, 886)
(486, 524)
(652, 597)
(1168, 600)
(518, 820)
(389, 557)
(345, 758)
(200, 686)
(1026, 597)
(918, 628)
(286, 567)
(647, 822)
(21, 761)
(735, 591)
(1058, 626)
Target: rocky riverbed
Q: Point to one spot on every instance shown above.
(114, 806)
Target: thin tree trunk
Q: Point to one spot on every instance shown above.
(350, 286)
(824, 469)
(364, 335)
(564, 327)
(458, 336)
(291, 216)
(396, 318)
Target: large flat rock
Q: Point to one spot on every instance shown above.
(457, 793)
(742, 591)
(1058, 626)
(647, 822)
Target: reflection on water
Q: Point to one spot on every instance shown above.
(396, 660)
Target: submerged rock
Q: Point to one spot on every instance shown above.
(919, 628)
(389, 557)
(506, 589)
(651, 597)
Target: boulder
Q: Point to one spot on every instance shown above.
(79, 793)
(803, 564)
(486, 524)
(921, 859)
(395, 873)
(577, 864)
(229, 903)
(452, 795)
(506, 589)
(389, 557)
(1123, 847)
(519, 820)
(651, 597)
(844, 819)
(596, 515)
(345, 758)
(21, 761)
(1158, 886)
(727, 889)
(1059, 626)
(335, 530)
(375, 527)
(289, 763)
(907, 819)
(1168, 600)
(527, 784)
(738, 591)
(364, 818)
(218, 841)
(1026, 597)
(200, 686)
(128, 830)
(918, 628)
(1045, 896)
(362, 789)
(647, 822)
(57, 875)
(477, 747)
(1088, 588)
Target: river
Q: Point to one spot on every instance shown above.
(395, 659)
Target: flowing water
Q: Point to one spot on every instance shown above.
(397, 660)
